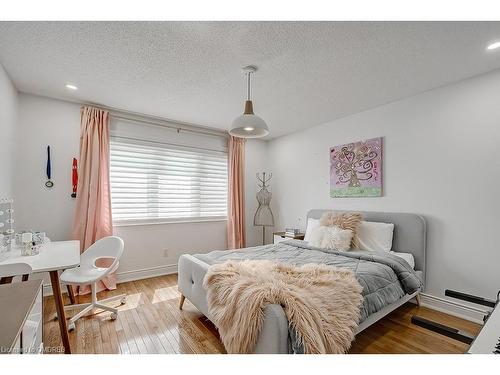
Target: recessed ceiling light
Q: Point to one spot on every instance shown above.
(71, 87)
(493, 46)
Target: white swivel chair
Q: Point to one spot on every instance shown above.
(88, 273)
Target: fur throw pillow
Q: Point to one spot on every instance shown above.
(331, 238)
(346, 220)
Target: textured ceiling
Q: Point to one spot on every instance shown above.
(309, 72)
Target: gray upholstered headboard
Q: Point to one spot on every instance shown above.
(409, 232)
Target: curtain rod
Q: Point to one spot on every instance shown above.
(170, 125)
(166, 123)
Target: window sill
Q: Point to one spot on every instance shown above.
(165, 221)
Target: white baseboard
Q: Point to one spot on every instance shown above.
(122, 277)
(47, 290)
(146, 273)
(453, 308)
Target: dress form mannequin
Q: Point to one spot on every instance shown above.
(264, 216)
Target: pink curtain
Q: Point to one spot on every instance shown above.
(236, 194)
(93, 200)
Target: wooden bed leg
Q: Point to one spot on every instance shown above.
(419, 301)
(181, 302)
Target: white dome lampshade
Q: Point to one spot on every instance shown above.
(248, 125)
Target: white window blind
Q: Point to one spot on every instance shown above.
(159, 182)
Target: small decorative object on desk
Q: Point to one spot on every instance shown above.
(6, 227)
(3, 247)
(40, 238)
(26, 239)
(31, 242)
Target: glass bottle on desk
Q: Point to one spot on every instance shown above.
(27, 240)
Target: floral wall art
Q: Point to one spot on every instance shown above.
(356, 169)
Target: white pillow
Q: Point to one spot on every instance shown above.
(316, 235)
(406, 256)
(374, 236)
(331, 238)
(311, 225)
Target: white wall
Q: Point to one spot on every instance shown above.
(42, 122)
(255, 162)
(439, 161)
(150, 249)
(8, 117)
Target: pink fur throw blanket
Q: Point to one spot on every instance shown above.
(322, 303)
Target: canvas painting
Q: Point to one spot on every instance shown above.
(356, 169)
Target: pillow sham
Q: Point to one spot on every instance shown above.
(346, 220)
(331, 238)
(311, 225)
(373, 236)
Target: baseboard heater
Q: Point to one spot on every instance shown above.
(488, 339)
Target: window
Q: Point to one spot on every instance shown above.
(159, 182)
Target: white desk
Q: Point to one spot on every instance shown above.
(53, 257)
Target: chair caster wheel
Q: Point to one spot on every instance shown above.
(71, 327)
(113, 316)
(123, 300)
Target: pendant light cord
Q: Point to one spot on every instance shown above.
(248, 85)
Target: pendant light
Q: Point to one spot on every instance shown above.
(248, 125)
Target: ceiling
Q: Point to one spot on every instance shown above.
(309, 72)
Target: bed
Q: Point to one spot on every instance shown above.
(409, 237)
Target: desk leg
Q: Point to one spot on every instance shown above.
(56, 289)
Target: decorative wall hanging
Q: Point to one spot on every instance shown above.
(356, 169)
(264, 216)
(49, 182)
(74, 177)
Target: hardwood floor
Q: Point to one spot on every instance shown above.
(151, 322)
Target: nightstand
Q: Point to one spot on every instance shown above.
(280, 236)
